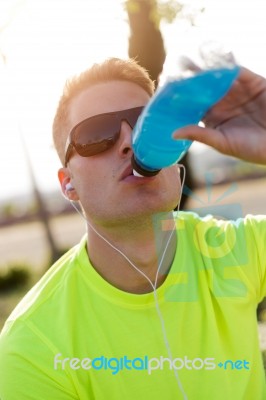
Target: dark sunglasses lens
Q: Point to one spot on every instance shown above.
(96, 134)
(100, 133)
(133, 115)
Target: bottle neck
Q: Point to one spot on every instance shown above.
(141, 171)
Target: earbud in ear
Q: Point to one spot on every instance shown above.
(69, 187)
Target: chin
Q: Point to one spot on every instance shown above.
(163, 207)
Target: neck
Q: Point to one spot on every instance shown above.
(143, 244)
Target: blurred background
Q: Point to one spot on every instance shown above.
(42, 43)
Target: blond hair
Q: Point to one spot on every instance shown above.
(109, 70)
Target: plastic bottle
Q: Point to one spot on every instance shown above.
(178, 103)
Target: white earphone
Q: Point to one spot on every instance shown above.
(69, 187)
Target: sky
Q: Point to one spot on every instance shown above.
(43, 42)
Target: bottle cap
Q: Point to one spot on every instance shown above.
(140, 171)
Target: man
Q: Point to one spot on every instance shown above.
(146, 306)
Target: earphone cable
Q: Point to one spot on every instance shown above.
(153, 285)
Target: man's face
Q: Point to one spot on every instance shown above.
(104, 183)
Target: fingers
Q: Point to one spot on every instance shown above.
(207, 136)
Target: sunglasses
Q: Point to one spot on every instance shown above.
(99, 133)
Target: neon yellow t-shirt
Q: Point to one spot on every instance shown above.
(74, 336)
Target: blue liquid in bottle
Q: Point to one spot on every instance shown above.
(177, 104)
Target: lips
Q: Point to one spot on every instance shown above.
(128, 177)
(127, 172)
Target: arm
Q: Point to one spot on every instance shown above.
(27, 368)
(236, 126)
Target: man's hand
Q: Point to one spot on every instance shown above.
(236, 126)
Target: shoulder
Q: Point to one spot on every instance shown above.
(48, 290)
(218, 239)
(235, 247)
(192, 219)
(37, 328)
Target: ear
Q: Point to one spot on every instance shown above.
(64, 179)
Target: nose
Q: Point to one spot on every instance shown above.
(125, 140)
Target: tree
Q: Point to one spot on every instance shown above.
(146, 43)
(42, 212)
(145, 35)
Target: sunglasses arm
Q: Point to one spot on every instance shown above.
(68, 148)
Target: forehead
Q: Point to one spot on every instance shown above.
(106, 97)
